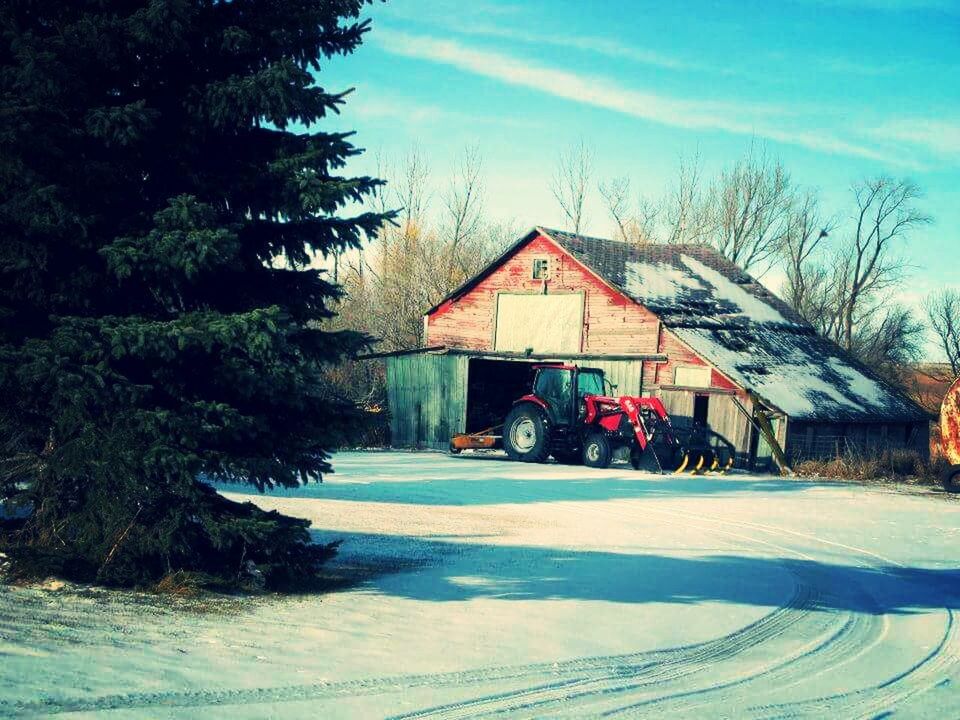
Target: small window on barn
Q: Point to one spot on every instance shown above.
(541, 267)
(686, 376)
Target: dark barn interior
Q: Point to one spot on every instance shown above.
(492, 387)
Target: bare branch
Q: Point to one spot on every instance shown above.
(886, 212)
(686, 210)
(615, 194)
(754, 200)
(571, 182)
(943, 313)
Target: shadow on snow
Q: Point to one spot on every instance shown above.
(434, 479)
(538, 573)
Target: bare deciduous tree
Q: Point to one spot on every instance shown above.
(634, 223)
(463, 204)
(807, 277)
(571, 183)
(753, 200)
(869, 264)
(686, 210)
(943, 313)
(428, 253)
(616, 196)
(412, 186)
(846, 293)
(888, 339)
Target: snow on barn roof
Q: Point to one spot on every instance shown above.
(748, 333)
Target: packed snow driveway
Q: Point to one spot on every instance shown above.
(471, 587)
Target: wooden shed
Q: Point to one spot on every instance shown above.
(676, 321)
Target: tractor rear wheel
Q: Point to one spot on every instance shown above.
(526, 436)
(951, 479)
(597, 452)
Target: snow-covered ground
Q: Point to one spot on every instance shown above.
(475, 587)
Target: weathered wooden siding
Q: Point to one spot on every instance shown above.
(625, 374)
(613, 323)
(816, 440)
(427, 399)
(723, 417)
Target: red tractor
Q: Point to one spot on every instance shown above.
(569, 415)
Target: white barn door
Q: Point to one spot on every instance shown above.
(541, 323)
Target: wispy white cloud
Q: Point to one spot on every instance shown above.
(586, 43)
(752, 119)
(376, 104)
(934, 136)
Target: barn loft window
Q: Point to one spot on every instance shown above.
(541, 267)
(687, 376)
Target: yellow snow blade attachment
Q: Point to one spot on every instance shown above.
(699, 466)
(683, 465)
(717, 469)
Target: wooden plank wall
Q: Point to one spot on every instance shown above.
(613, 323)
(625, 374)
(726, 420)
(427, 398)
(723, 417)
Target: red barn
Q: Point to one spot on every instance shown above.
(676, 321)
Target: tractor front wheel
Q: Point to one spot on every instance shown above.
(526, 435)
(597, 452)
(951, 479)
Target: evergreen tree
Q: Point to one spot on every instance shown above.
(159, 322)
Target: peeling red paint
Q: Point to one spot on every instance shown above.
(612, 322)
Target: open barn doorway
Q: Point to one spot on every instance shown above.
(492, 386)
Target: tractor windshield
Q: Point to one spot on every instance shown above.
(590, 383)
(555, 387)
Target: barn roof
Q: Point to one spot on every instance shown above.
(735, 323)
(745, 331)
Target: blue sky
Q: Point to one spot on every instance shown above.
(837, 89)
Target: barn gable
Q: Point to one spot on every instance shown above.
(611, 322)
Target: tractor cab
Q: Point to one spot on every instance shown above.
(562, 389)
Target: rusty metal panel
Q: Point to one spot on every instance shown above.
(950, 424)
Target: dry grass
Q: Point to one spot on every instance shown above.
(180, 584)
(908, 466)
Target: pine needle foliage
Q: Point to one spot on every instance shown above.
(160, 323)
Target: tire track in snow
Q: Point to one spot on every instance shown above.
(829, 644)
(677, 659)
(581, 686)
(640, 670)
(930, 672)
(844, 647)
